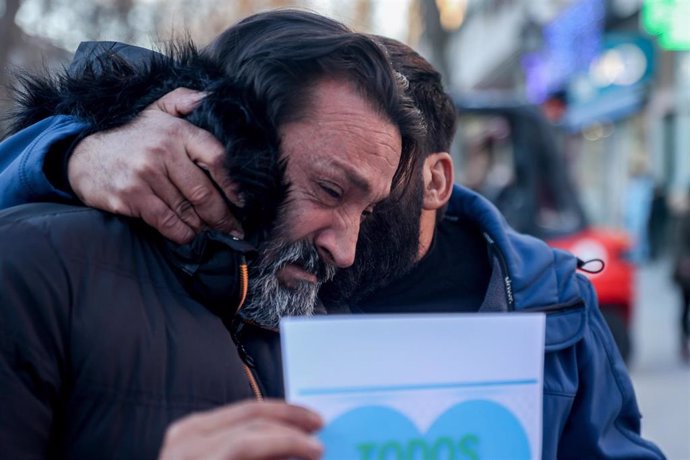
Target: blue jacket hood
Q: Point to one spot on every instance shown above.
(527, 274)
(536, 275)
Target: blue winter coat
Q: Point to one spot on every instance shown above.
(590, 409)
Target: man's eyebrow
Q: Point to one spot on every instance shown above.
(356, 178)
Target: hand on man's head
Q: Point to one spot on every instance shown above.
(159, 168)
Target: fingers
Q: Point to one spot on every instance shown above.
(209, 154)
(155, 212)
(248, 440)
(245, 431)
(155, 198)
(275, 410)
(150, 168)
(158, 215)
(178, 102)
(267, 440)
(201, 199)
(202, 152)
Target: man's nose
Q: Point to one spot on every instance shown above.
(338, 246)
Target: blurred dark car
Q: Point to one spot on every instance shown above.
(509, 152)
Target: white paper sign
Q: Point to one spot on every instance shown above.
(464, 386)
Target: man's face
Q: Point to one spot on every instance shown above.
(387, 249)
(342, 157)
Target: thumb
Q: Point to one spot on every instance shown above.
(179, 102)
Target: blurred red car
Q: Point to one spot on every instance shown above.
(508, 152)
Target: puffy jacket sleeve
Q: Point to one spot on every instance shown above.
(34, 302)
(24, 156)
(605, 419)
(44, 146)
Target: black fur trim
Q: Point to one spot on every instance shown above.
(109, 91)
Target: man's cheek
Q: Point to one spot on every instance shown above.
(300, 221)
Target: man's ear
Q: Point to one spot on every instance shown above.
(438, 180)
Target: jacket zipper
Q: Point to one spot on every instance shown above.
(244, 286)
(247, 364)
(507, 281)
(244, 282)
(508, 285)
(252, 383)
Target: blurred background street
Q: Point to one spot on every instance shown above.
(574, 119)
(661, 380)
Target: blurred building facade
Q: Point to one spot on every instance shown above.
(621, 98)
(44, 33)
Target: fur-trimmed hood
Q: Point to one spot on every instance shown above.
(109, 84)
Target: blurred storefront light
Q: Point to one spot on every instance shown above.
(452, 13)
(623, 65)
(598, 131)
(685, 69)
(615, 85)
(571, 41)
(668, 20)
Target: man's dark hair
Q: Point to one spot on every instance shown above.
(280, 54)
(273, 58)
(108, 91)
(425, 88)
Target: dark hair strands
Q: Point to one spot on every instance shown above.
(281, 53)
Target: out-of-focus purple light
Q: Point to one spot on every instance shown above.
(571, 42)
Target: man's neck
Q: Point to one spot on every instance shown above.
(427, 228)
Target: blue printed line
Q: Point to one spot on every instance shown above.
(415, 387)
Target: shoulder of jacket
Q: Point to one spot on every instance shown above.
(33, 213)
(68, 228)
(90, 51)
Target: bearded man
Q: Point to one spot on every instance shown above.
(440, 248)
(109, 334)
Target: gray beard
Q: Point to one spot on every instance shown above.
(268, 299)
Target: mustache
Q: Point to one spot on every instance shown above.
(277, 254)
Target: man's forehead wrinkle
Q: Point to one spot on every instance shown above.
(334, 163)
(341, 116)
(341, 134)
(372, 135)
(356, 179)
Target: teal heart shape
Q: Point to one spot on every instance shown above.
(471, 430)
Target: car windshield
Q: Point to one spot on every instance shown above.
(511, 158)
